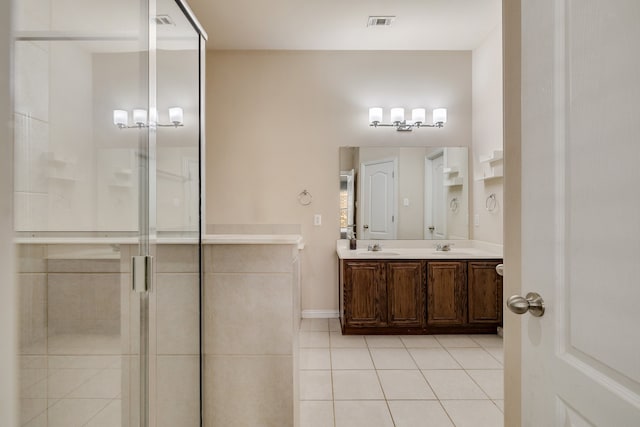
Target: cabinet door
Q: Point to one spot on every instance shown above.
(364, 294)
(485, 293)
(446, 293)
(406, 293)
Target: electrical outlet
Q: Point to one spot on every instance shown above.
(405, 202)
(317, 219)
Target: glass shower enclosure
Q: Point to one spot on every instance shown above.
(108, 150)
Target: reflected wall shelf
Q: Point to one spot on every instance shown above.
(492, 157)
(450, 171)
(454, 181)
(490, 177)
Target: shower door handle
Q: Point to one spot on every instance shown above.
(141, 273)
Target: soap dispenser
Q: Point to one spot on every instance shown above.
(353, 244)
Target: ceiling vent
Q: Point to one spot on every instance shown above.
(380, 21)
(163, 20)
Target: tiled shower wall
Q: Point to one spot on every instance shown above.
(79, 329)
(251, 319)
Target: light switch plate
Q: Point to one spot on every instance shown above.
(317, 219)
(476, 220)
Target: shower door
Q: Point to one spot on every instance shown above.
(107, 184)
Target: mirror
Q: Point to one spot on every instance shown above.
(404, 193)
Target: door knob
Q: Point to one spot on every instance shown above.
(500, 269)
(533, 303)
(366, 227)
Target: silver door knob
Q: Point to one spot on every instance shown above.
(366, 227)
(500, 269)
(533, 303)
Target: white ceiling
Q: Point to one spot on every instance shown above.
(341, 24)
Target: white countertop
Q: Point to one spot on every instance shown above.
(397, 249)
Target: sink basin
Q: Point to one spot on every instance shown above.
(377, 254)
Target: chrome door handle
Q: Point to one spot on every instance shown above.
(500, 269)
(533, 303)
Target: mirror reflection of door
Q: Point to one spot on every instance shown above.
(377, 219)
(435, 214)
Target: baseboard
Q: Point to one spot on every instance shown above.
(319, 314)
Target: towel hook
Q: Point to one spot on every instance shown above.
(491, 202)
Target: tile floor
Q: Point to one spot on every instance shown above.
(398, 381)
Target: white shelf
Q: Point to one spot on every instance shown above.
(59, 160)
(454, 181)
(124, 172)
(489, 177)
(494, 156)
(451, 170)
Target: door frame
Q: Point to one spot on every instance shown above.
(428, 192)
(512, 119)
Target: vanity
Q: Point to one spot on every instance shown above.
(408, 288)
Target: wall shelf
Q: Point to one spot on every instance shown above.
(494, 156)
(450, 171)
(459, 180)
(489, 177)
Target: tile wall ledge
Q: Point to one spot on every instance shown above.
(254, 239)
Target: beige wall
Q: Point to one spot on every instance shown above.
(487, 135)
(8, 324)
(275, 121)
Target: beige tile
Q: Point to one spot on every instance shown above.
(455, 341)
(32, 293)
(499, 404)
(249, 259)
(413, 413)
(356, 385)
(433, 358)
(83, 265)
(177, 259)
(33, 362)
(404, 385)
(489, 340)
(453, 384)
(310, 339)
(347, 341)
(491, 381)
(384, 341)
(31, 259)
(420, 341)
(392, 358)
(29, 377)
(61, 382)
(314, 325)
(497, 353)
(39, 421)
(362, 413)
(173, 413)
(249, 391)
(83, 362)
(470, 413)
(104, 385)
(36, 391)
(31, 408)
(315, 385)
(248, 314)
(75, 412)
(474, 358)
(351, 358)
(178, 319)
(178, 378)
(334, 325)
(110, 416)
(316, 414)
(315, 358)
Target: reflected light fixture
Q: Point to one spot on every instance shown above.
(418, 117)
(121, 118)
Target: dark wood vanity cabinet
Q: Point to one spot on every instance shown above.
(420, 296)
(446, 293)
(485, 293)
(382, 294)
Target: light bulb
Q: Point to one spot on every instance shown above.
(397, 115)
(140, 117)
(418, 115)
(375, 115)
(440, 116)
(120, 118)
(176, 115)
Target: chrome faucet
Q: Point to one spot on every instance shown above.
(375, 247)
(443, 247)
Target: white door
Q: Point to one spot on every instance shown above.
(378, 200)
(435, 213)
(581, 212)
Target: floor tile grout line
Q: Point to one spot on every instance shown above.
(384, 395)
(333, 397)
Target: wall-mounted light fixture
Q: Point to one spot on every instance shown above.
(418, 116)
(121, 118)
